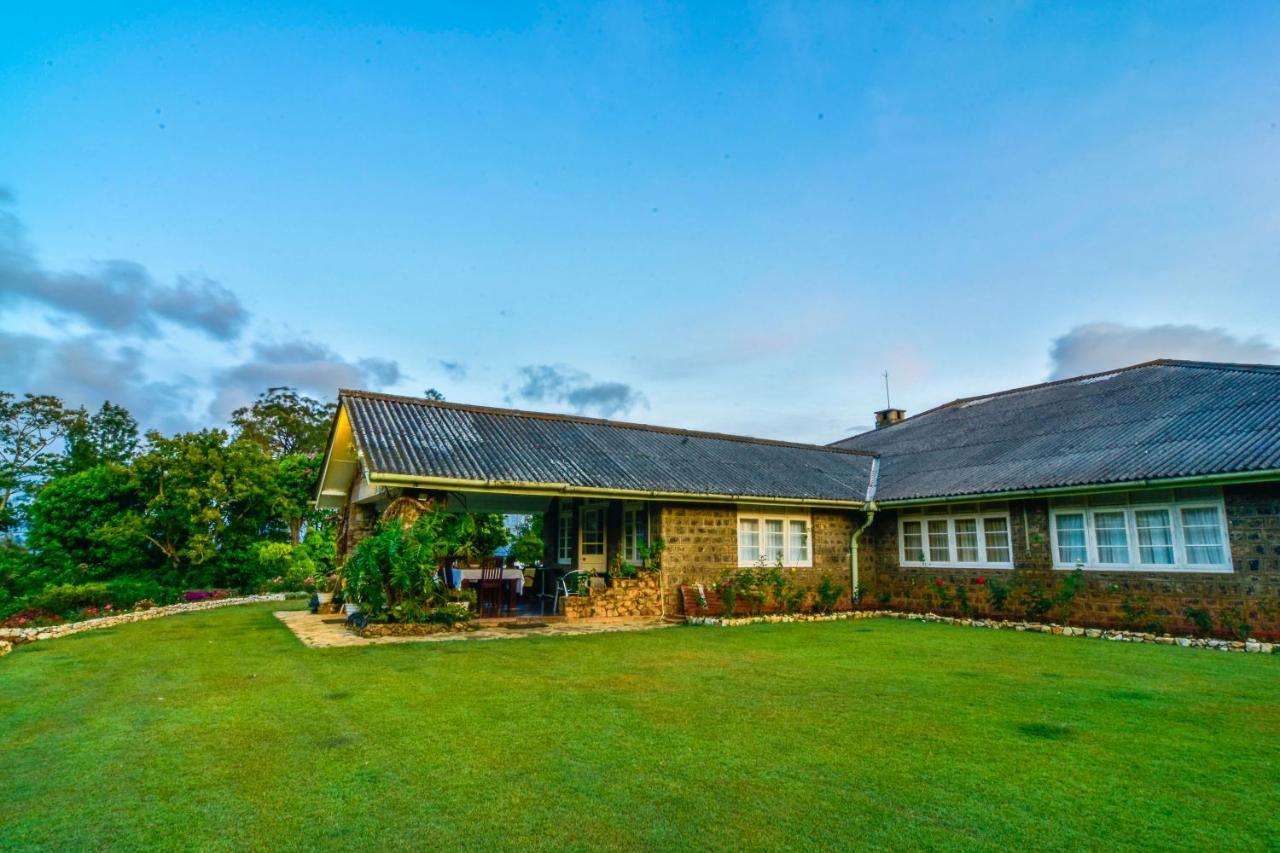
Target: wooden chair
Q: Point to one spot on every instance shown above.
(490, 591)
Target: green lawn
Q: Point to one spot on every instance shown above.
(220, 729)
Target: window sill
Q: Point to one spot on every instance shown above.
(786, 566)
(1159, 570)
(999, 567)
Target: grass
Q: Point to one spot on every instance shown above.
(219, 729)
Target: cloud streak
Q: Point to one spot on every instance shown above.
(560, 385)
(86, 370)
(116, 296)
(1097, 347)
(311, 367)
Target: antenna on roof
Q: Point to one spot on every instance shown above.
(887, 404)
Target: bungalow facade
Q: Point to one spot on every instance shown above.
(1160, 482)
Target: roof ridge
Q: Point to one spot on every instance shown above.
(582, 419)
(1155, 362)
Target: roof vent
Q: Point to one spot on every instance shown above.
(889, 417)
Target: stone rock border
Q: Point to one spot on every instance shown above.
(410, 629)
(10, 637)
(999, 625)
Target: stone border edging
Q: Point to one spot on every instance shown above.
(9, 637)
(998, 624)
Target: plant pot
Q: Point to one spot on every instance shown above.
(350, 608)
(324, 597)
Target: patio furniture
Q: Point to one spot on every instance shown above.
(490, 592)
(570, 584)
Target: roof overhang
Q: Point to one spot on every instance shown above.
(1226, 479)
(569, 490)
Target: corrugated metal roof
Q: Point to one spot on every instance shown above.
(1159, 420)
(409, 436)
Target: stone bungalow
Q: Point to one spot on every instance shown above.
(1161, 481)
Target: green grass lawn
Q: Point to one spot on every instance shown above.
(221, 729)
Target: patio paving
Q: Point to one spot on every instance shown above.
(325, 630)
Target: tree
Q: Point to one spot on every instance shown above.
(526, 544)
(282, 421)
(72, 528)
(30, 429)
(295, 486)
(110, 436)
(433, 394)
(205, 503)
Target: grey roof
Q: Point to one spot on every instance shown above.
(410, 436)
(1157, 420)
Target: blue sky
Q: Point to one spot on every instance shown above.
(730, 218)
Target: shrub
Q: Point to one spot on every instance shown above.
(1135, 610)
(1233, 623)
(1201, 618)
(828, 594)
(728, 596)
(1064, 599)
(193, 595)
(997, 594)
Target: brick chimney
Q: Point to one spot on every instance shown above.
(889, 417)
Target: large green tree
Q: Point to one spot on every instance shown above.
(282, 421)
(73, 529)
(31, 429)
(110, 436)
(206, 500)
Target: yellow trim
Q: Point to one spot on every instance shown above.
(567, 490)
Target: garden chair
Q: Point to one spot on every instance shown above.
(490, 591)
(568, 585)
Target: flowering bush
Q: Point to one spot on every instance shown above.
(206, 594)
(30, 618)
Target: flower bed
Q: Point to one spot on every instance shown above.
(18, 636)
(1000, 625)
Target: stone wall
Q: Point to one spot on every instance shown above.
(702, 544)
(1110, 599)
(638, 597)
(17, 636)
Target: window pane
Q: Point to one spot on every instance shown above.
(592, 533)
(774, 541)
(966, 540)
(1071, 539)
(564, 546)
(996, 531)
(912, 542)
(1202, 532)
(939, 541)
(748, 540)
(798, 542)
(1112, 533)
(1155, 537)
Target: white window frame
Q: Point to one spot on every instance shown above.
(760, 515)
(950, 516)
(564, 538)
(631, 538)
(1134, 503)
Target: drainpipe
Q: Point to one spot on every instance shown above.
(870, 509)
(853, 550)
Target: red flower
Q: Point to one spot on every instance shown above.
(981, 579)
(938, 584)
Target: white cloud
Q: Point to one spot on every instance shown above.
(1098, 347)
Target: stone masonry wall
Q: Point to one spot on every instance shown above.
(702, 544)
(1110, 599)
(638, 597)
